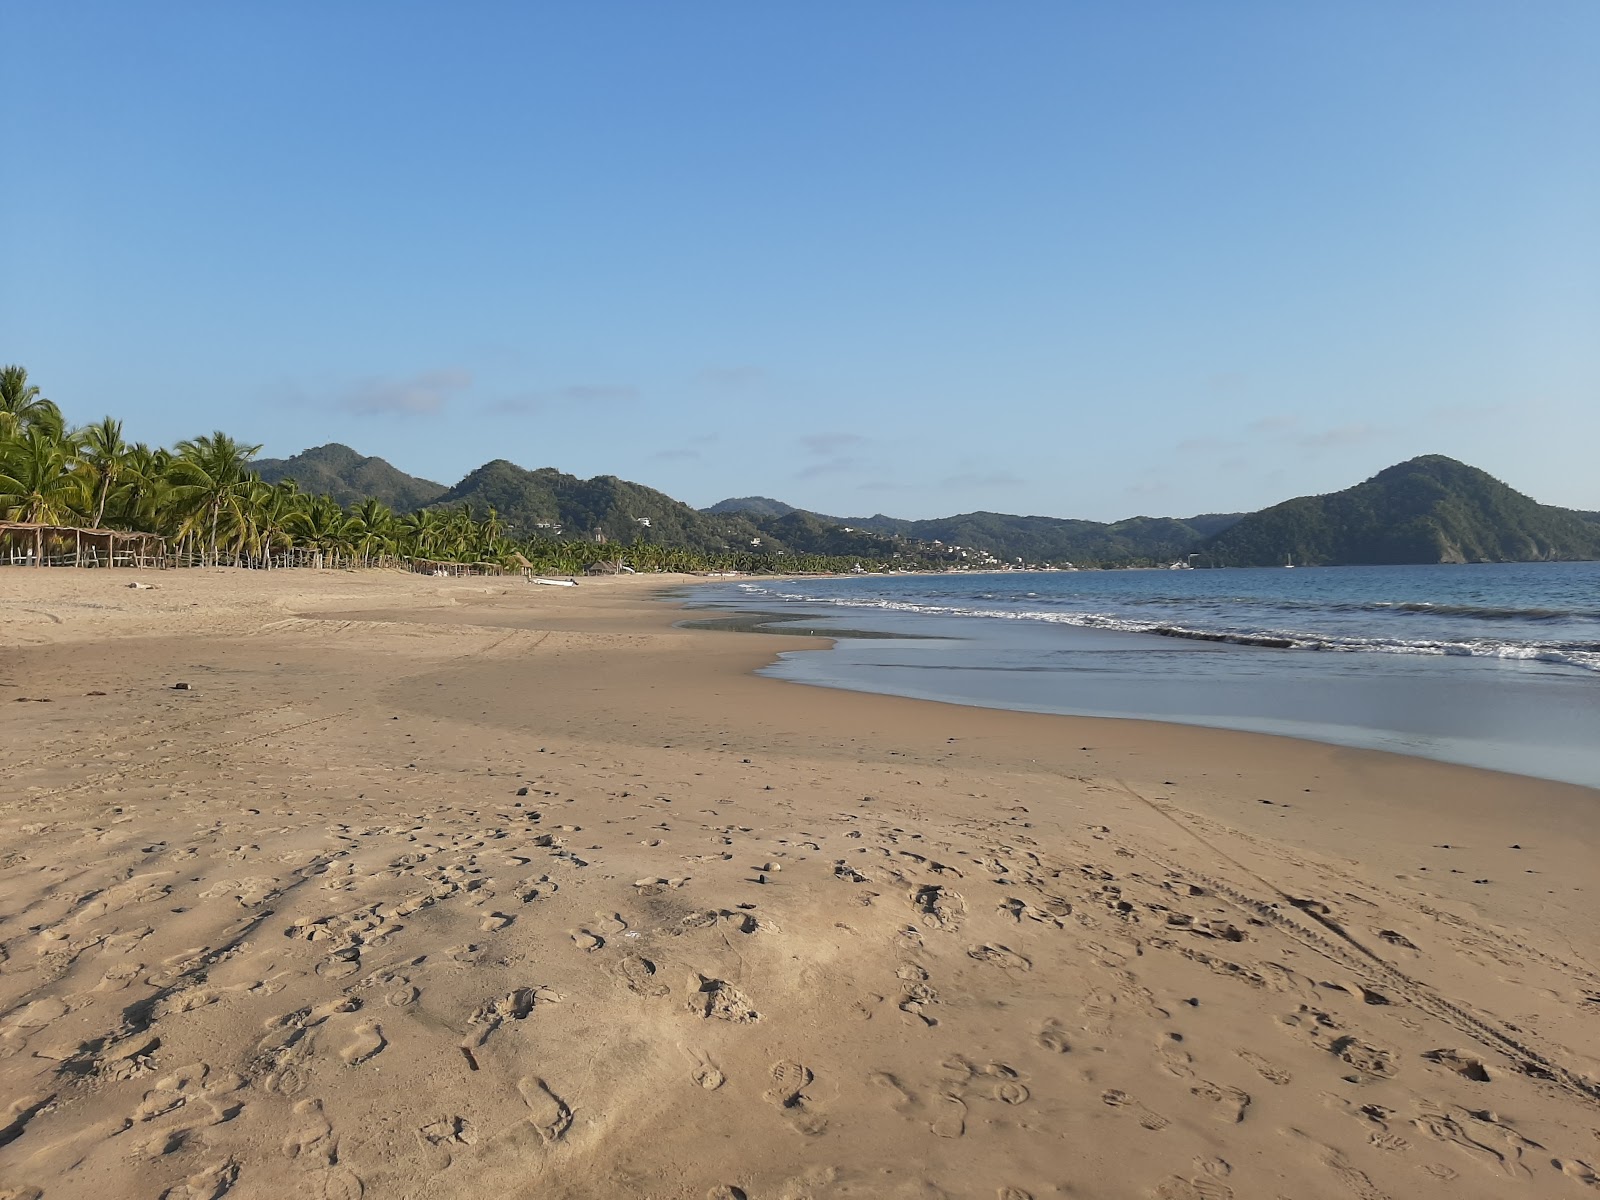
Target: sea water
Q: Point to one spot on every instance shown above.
(1494, 665)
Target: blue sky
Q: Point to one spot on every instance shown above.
(1075, 259)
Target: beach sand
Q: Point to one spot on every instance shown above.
(451, 888)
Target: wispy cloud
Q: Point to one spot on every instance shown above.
(1148, 489)
(1285, 429)
(597, 393)
(1341, 437)
(1279, 423)
(732, 377)
(842, 464)
(982, 479)
(573, 395)
(1463, 413)
(1205, 443)
(831, 443)
(412, 395)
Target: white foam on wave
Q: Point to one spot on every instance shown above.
(1584, 657)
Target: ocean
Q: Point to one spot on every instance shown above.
(1494, 665)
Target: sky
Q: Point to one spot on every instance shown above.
(1074, 259)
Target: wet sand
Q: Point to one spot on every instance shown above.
(466, 888)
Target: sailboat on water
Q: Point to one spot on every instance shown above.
(1289, 565)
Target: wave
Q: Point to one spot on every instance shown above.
(1580, 654)
(1286, 604)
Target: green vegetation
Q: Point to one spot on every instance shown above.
(1428, 510)
(1137, 541)
(210, 499)
(549, 504)
(216, 503)
(340, 472)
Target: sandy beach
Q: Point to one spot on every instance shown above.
(468, 888)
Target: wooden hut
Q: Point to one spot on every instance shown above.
(33, 544)
(434, 566)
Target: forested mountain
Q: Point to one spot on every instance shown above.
(1428, 510)
(1431, 509)
(549, 503)
(1031, 539)
(338, 471)
(761, 506)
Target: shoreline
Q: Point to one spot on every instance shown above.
(696, 929)
(1473, 712)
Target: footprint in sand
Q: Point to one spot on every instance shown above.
(119, 977)
(1227, 1103)
(917, 996)
(901, 1098)
(1352, 1178)
(586, 941)
(1009, 1091)
(952, 1119)
(547, 1112)
(1270, 1072)
(368, 1042)
(1575, 1169)
(1199, 1187)
(640, 977)
(209, 1183)
(707, 1074)
(1478, 1133)
(1148, 1118)
(336, 1183)
(940, 907)
(440, 1139)
(1463, 1064)
(1096, 1012)
(789, 1081)
(1004, 957)
(1052, 1036)
(312, 1140)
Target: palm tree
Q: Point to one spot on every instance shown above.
(211, 478)
(324, 524)
(493, 527)
(274, 511)
(141, 499)
(36, 484)
(373, 525)
(21, 405)
(102, 455)
(420, 532)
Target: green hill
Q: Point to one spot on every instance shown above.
(1431, 509)
(760, 506)
(1031, 539)
(340, 472)
(551, 504)
(1428, 510)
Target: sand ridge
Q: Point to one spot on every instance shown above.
(417, 892)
